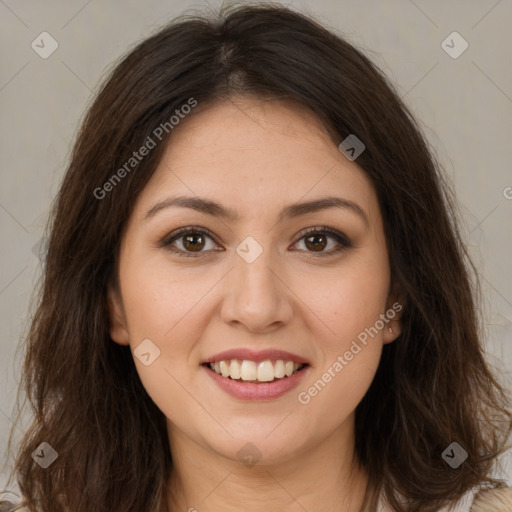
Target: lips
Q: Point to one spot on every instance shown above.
(249, 375)
(264, 371)
(256, 356)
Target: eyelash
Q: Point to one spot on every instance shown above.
(343, 241)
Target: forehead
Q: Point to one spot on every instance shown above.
(249, 153)
(251, 127)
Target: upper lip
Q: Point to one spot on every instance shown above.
(256, 356)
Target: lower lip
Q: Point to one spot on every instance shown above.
(244, 390)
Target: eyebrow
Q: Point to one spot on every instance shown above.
(215, 209)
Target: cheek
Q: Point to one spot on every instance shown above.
(336, 390)
(349, 304)
(349, 349)
(350, 299)
(165, 307)
(160, 300)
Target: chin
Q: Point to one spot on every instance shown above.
(258, 447)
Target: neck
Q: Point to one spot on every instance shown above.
(323, 478)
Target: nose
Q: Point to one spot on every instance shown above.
(256, 294)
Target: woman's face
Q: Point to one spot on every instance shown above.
(245, 277)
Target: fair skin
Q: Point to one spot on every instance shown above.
(256, 157)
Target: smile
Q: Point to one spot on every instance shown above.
(252, 371)
(247, 374)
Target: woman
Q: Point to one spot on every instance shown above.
(255, 292)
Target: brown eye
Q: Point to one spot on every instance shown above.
(189, 242)
(316, 242)
(318, 239)
(193, 242)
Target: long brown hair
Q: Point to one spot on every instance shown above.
(432, 387)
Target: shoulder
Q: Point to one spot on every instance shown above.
(479, 499)
(9, 502)
(9, 506)
(484, 498)
(493, 500)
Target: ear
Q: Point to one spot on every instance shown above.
(118, 327)
(394, 309)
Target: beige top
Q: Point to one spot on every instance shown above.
(496, 500)
(475, 500)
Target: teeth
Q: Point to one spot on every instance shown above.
(224, 369)
(248, 370)
(234, 369)
(264, 371)
(279, 369)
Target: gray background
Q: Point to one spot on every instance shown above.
(464, 106)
